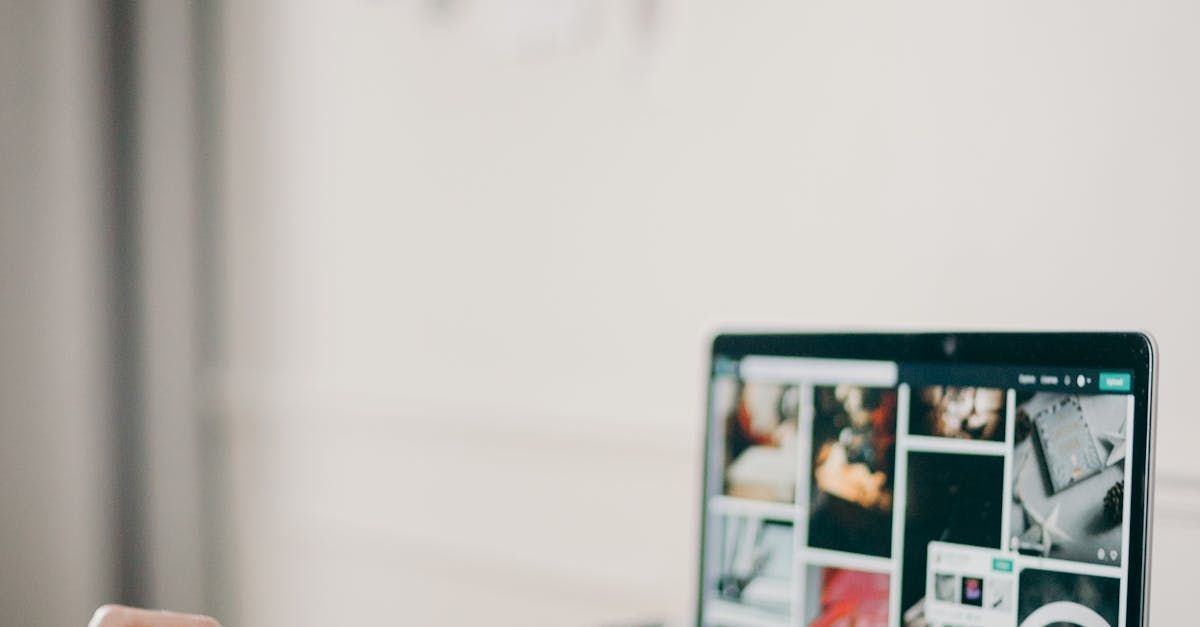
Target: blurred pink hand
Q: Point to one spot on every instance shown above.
(120, 616)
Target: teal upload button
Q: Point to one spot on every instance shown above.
(1115, 381)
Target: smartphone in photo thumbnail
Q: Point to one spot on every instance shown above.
(1068, 477)
(760, 450)
(972, 591)
(853, 455)
(838, 597)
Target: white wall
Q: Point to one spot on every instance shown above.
(475, 253)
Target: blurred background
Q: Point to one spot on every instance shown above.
(383, 311)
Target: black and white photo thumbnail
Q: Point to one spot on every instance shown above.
(754, 564)
(1068, 476)
(1053, 598)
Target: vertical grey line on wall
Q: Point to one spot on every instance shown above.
(121, 248)
(220, 587)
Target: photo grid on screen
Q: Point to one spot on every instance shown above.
(879, 503)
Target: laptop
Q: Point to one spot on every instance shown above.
(966, 479)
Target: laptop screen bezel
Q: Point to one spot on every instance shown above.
(1130, 351)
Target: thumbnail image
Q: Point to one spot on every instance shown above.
(1054, 598)
(998, 594)
(854, 438)
(947, 411)
(945, 588)
(760, 438)
(972, 591)
(754, 568)
(951, 498)
(837, 597)
(1068, 477)
(966, 585)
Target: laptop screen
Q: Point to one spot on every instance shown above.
(850, 492)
